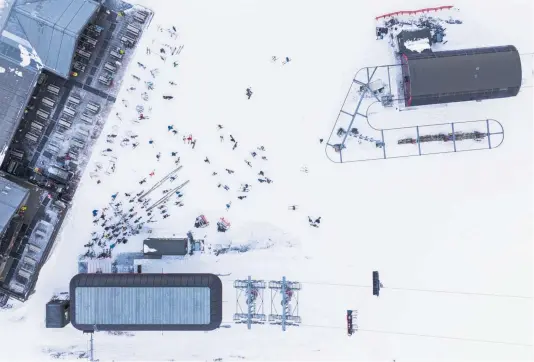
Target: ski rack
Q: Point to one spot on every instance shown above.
(252, 291)
(167, 196)
(159, 183)
(352, 319)
(285, 292)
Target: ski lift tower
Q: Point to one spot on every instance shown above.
(287, 293)
(252, 292)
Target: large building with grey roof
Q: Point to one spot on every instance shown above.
(35, 35)
(12, 197)
(145, 302)
(461, 75)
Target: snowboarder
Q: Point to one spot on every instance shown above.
(206, 160)
(228, 205)
(242, 197)
(249, 93)
(230, 171)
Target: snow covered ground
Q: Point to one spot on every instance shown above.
(459, 222)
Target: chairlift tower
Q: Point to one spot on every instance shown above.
(252, 292)
(286, 294)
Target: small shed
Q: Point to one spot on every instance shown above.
(57, 313)
(158, 247)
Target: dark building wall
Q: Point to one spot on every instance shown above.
(461, 75)
(145, 282)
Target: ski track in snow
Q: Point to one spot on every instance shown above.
(434, 222)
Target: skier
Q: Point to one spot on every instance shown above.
(318, 220)
(262, 180)
(264, 158)
(175, 64)
(175, 132)
(254, 154)
(168, 97)
(189, 138)
(235, 146)
(261, 148)
(293, 207)
(261, 173)
(158, 156)
(172, 178)
(162, 51)
(141, 64)
(193, 144)
(114, 196)
(228, 205)
(152, 173)
(230, 171)
(108, 150)
(248, 163)
(135, 144)
(174, 154)
(320, 140)
(226, 187)
(166, 216)
(184, 139)
(95, 212)
(151, 142)
(214, 174)
(222, 138)
(232, 139)
(170, 128)
(249, 93)
(242, 197)
(172, 83)
(219, 126)
(206, 160)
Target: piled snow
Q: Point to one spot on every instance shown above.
(27, 57)
(148, 249)
(2, 70)
(417, 45)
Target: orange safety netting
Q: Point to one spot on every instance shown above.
(412, 12)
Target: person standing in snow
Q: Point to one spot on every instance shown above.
(235, 146)
(158, 156)
(249, 93)
(207, 160)
(228, 205)
(222, 138)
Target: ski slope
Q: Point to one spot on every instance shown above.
(449, 222)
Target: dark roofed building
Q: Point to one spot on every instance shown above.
(57, 314)
(146, 302)
(461, 75)
(35, 34)
(12, 197)
(155, 247)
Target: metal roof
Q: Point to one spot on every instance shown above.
(52, 27)
(57, 315)
(159, 247)
(11, 198)
(146, 302)
(468, 70)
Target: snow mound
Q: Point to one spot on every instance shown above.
(417, 45)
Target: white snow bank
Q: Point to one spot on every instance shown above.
(417, 45)
(148, 249)
(2, 70)
(26, 57)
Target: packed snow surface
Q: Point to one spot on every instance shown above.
(455, 222)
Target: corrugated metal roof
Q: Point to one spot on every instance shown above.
(52, 27)
(142, 305)
(467, 70)
(11, 197)
(146, 301)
